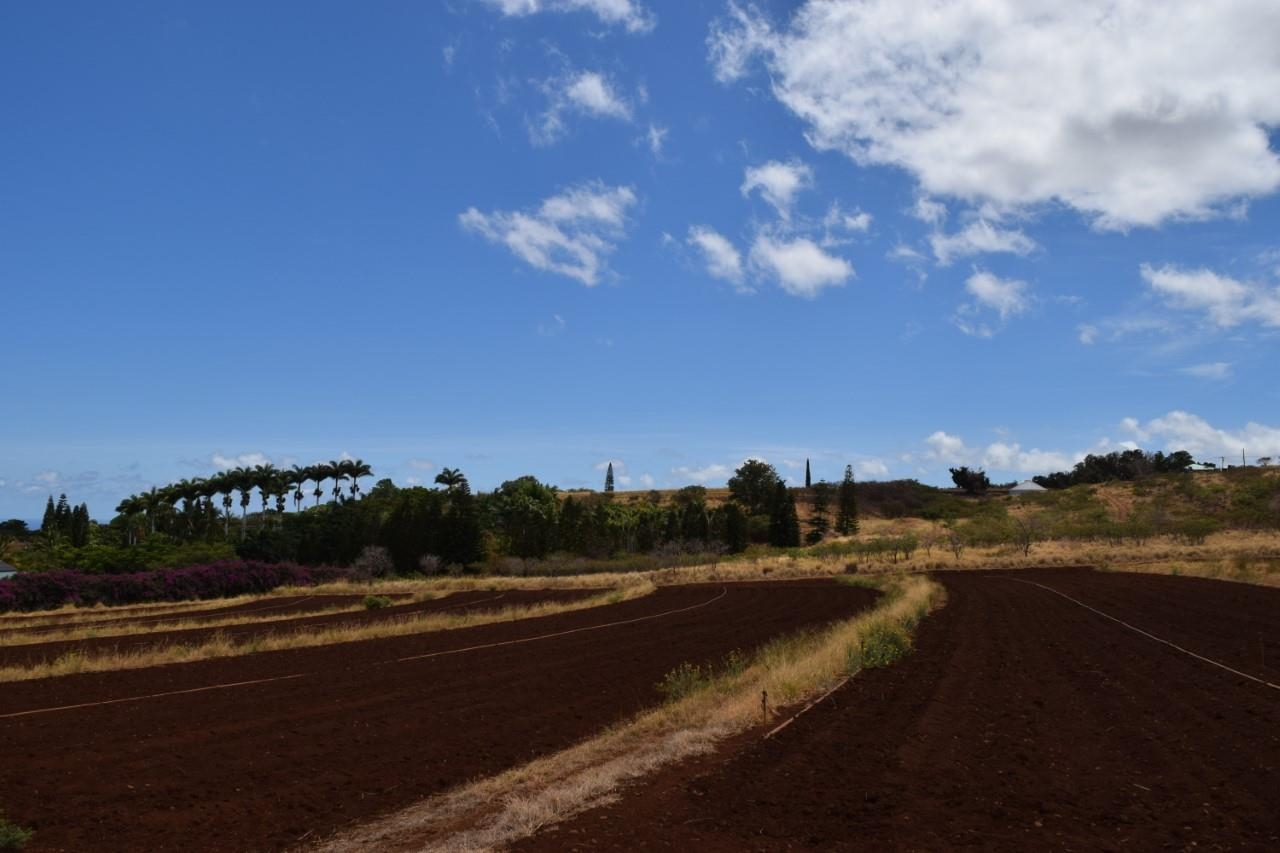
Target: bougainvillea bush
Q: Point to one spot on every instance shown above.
(46, 590)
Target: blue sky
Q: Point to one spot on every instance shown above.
(534, 236)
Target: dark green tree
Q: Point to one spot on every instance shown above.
(820, 504)
(608, 479)
(847, 505)
(735, 528)
(974, 482)
(784, 522)
(524, 512)
(808, 478)
(754, 486)
(49, 524)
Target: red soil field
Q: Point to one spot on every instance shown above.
(459, 602)
(332, 736)
(1021, 722)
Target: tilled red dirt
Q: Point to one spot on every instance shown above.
(460, 602)
(116, 617)
(339, 734)
(1021, 722)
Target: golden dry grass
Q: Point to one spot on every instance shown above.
(493, 812)
(224, 646)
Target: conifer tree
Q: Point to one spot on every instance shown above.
(608, 479)
(49, 524)
(808, 478)
(784, 523)
(817, 521)
(847, 505)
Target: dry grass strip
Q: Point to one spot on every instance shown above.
(224, 646)
(492, 812)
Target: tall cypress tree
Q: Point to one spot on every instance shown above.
(847, 505)
(49, 524)
(784, 523)
(808, 479)
(608, 479)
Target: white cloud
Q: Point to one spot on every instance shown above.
(244, 460)
(929, 210)
(571, 234)
(1133, 113)
(801, 267)
(626, 13)
(703, 475)
(1227, 302)
(778, 183)
(1088, 333)
(948, 449)
(1179, 430)
(1210, 370)
(870, 469)
(647, 481)
(723, 260)
(1000, 456)
(979, 237)
(1005, 296)
(584, 92)
(48, 478)
(656, 138)
(422, 465)
(555, 327)
(838, 218)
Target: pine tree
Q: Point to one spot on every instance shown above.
(808, 478)
(817, 521)
(49, 524)
(608, 479)
(784, 523)
(847, 505)
(62, 516)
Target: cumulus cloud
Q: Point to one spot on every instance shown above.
(1132, 113)
(422, 465)
(779, 183)
(1006, 297)
(244, 460)
(625, 13)
(839, 219)
(702, 475)
(584, 93)
(979, 237)
(571, 234)
(1226, 301)
(722, 258)
(799, 265)
(930, 211)
(870, 469)
(656, 137)
(1179, 430)
(1005, 456)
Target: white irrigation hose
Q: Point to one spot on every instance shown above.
(723, 592)
(1151, 636)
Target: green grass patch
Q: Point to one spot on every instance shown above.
(376, 602)
(12, 836)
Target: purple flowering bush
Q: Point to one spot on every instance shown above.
(223, 579)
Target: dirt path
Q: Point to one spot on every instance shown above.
(329, 736)
(1022, 722)
(460, 602)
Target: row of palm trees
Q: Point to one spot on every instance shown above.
(188, 500)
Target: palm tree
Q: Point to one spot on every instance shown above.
(357, 468)
(297, 476)
(266, 477)
(318, 472)
(130, 508)
(450, 478)
(338, 473)
(242, 480)
(222, 484)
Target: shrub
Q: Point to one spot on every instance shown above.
(885, 643)
(682, 681)
(374, 562)
(429, 564)
(12, 836)
(376, 602)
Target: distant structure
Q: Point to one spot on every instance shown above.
(1202, 466)
(6, 571)
(1027, 487)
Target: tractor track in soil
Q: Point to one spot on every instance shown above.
(264, 751)
(1022, 721)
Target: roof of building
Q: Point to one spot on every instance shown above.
(6, 569)
(1027, 486)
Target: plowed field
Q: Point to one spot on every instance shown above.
(29, 654)
(1023, 721)
(264, 751)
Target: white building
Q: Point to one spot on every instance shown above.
(1027, 487)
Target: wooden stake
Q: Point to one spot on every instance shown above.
(764, 706)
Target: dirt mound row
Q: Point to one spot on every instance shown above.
(1022, 722)
(360, 731)
(460, 602)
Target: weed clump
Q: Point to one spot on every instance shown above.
(376, 602)
(12, 836)
(885, 643)
(680, 682)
